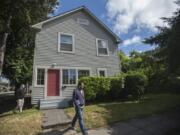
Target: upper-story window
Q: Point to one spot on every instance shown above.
(102, 47)
(65, 42)
(82, 21)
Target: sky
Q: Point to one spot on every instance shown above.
(131, 20)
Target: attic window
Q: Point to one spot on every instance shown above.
(83, 21)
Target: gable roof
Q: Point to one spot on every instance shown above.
(39, 25)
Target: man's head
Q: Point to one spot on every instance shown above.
(22, 86)
(80, 85)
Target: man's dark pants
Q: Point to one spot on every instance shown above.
(79, 116)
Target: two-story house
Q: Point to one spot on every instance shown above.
(69, 46)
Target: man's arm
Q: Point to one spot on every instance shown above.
(75, 101)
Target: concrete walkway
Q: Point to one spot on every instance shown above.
(54, 117)
(158, 124)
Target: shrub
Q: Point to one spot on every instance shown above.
(100, 88)
(174, 84)
(115, 88)
(158, 82)
(135, 83)
(96, 87)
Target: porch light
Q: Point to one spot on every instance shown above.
(54, 64)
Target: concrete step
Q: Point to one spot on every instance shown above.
(54, 103)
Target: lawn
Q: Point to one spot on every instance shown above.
(103, 114)
(26, 123)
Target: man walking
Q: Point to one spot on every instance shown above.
(79, 102)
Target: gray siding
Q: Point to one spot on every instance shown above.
(46, 51)
(37, 94)
(67, 92)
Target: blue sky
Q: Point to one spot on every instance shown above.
(131, 20)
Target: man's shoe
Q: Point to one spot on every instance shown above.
(72, 128)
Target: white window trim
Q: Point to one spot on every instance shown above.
(76, 69)
(102, 69)
(68, 77)
(97, 47)
(35, 77)
(83, 69)
(59, 42)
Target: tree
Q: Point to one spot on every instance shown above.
(17, 37)
(168, 42)
(125, 61)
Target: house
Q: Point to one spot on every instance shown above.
(69, 46)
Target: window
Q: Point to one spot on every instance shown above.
(102, 47)
(40, 76)
(65, 43)
(82, 21)
(83, 73)
(69, 76)
(102, 72)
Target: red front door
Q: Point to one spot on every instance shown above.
(53, 83)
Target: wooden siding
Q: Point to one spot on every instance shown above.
(46, 50)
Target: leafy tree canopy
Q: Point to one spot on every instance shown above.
(168, 42)
(20, 42)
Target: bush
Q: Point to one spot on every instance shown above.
(135, 83)
(158, 82)
(96, 87)
(100, 88)
(115, 88)
(103, 89)
(174, 83)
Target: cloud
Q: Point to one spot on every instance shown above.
(134, 40)
(126, 14)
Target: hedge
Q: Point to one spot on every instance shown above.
(100, 88)
(95, 86)
(135, 83)
(116, 88)
(110, 88)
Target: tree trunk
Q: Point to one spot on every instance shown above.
(3, 43)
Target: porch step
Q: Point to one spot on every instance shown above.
(54, 103)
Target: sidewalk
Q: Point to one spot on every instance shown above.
(158, 124)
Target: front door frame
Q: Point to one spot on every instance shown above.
(46, 83)
(58, 82)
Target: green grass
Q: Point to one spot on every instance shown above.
(102, 114)
(175, 131)
(25, 123)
